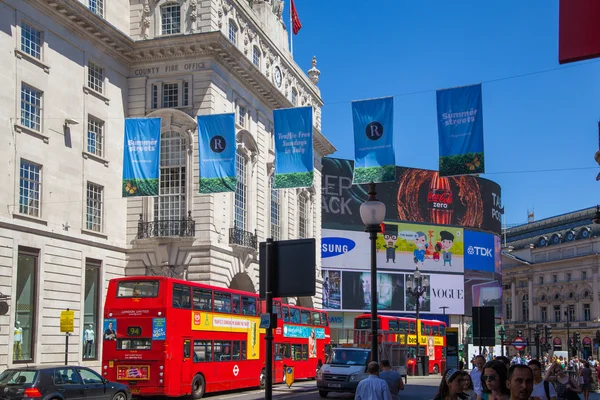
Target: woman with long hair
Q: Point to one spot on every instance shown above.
(468, 387)
(451, 387)
(562, 382)
(493, 381)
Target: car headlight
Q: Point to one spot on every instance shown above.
(354, 377)
(319, 375)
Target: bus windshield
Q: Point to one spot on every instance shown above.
(137, 289)
(363, 323)
(349, 357)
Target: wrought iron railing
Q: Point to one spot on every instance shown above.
(185, 227)
(242, 238)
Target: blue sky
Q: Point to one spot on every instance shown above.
(544, 118)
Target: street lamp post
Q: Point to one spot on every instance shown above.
(569, 307)
(416, 287)
(372, 214)
(502, 339)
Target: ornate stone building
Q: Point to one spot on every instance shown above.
(550, 272)
(72, 71)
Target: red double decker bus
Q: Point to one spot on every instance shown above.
(171, 337)
(432, 337)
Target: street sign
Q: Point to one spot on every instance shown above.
(67, 321)
(265, 320)
(289, 376)
(519, 343)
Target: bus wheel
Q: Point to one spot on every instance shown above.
(323, 393)
(263, 379)
(436, 369)
(198, 387)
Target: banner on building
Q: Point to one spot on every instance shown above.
(141, 157)
(217, 151)
(294, 162)
(460, 129)
(374, 155)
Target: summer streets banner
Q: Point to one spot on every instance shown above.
(141, 154)
(460, 129)
(294, 161)
(375, 160)
(216, 142)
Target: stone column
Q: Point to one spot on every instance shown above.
(513, 299)
(596, 304)
(532, 316)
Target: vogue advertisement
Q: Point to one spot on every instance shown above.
(417, 195)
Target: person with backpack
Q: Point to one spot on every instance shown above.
(566, 387)
(542, 389)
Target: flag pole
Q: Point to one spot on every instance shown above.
(291, 32)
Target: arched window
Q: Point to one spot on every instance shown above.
(170, 203)
(275, 207)
(241, 193)
(256, 56)
(294, 97)
(525, 307)
(170, 17)
(233, 30)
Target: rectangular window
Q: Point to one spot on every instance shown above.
(275, 228)
(556, 313)
(583, 275)
(187, 349)
(324, 321)
(235, 303)
(544, 314)
(256, 56)
(181, 296)
(137, 289)
(154, 96)
(587, 312)
(186, 93)
(248, 305)
(242, 116)
(170, 19)
(305, 352)
(541, 280)
(286, 314)
(134, 344)
(202, 299)
(222, 350)
(305, 317)
(509, 311)
(568, 277)
(296, 352)
(294, 315)
(571, 313)
(30, 188)
(31, 40)
(202, 350)
(302, 218)
(95, 137)
(31, 107)
(240, 192)
(95, 77)
(223, 302)
(316, 318)
(90, 309)
(94, 207)
(232, 32)
(66, 376)
(170, 95)
(97, 7)
(554, 278)
(25, 309)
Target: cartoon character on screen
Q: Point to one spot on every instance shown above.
(436, 253)
(447, 242)
(419, 253)
(390, 234)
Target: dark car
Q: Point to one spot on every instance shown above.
(59, 383)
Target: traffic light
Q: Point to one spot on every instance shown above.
(519, 333)
(548, 333)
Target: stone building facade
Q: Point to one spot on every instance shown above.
(550, 275)
(74, 71)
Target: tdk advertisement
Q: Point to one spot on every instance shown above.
(479, 251)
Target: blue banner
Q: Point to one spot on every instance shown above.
(374, 156)
(217, 150)
(159, 328)
(294, 161)
(303, 332)
(479, 251)
(460, 129)
(141, 157)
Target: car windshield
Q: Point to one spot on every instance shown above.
(17, 377)
(349, 357)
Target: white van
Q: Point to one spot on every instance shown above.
(344, 368)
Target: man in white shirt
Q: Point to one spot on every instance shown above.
(476, 374)
(541, 389)
(373, 387)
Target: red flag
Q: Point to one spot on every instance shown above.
(295, 20)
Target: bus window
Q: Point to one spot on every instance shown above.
(294, 315)
(181, 296)
(236, 350)
(134, 344)
(297, 351)
(202, 299)
(137, 289)
(279, 351)
(442, 330)
(187, 348)
(222, 304)
(422, 329)
(316, 318)
(277, 309)
(305, 317)
(393, 326)
(236, 303)
(435, 331)
(222, 351)
(286, 314)
(248, 305)
(411, 327)
(202, 350)
(324, 320)
(244, 349)
(403, 327)
(305, 352)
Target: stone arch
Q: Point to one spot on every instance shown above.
(247, 142)
(304, 301)
(241, 281)
(172, 119)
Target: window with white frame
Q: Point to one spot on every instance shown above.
(294, 96)
(583, 275)
(275, 210)
(95, 77)
(186, 94)
(303, 213)
(241, 193)
(31, 107)
(95, 136)
(556, 313)
(170, 95)
(525, 308)
(97, 7)
(30, 188)
(571, 313)
(242, 111)
(31, 40)
(233, 30)
(94, 207)
(544, 314)
(170, 204)
(256, 56)
(587, 312)
(170, 16)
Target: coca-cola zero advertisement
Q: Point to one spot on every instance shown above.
(417, 195)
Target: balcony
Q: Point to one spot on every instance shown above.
(167, 227)
(242, 238)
